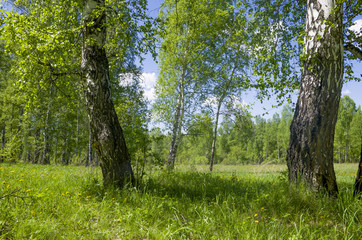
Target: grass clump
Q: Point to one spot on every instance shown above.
(251, 202)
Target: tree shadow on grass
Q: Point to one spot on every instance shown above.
(203, 186)
(274, 194)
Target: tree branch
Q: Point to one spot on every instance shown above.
(354, 50)
(10, 194)
(55, 73)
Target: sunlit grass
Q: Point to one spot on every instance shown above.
(234, 202)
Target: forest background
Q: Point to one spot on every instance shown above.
(59, 131)
(60, 61)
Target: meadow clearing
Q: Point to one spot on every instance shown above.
(234, 202)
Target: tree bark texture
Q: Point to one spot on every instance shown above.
(214, 136)
(358, 184)
(354, 50)
(45, 158)
(89, 152)
(310, 153)
(106, 132)
(37, 147)
(2, 141)
(77, 152)
(177, 125)
(223, 96)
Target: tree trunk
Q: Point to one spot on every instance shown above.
(96, 162)
(214, 136)
(2, 142)
(358, 184)
(45, 158)
(56, 150)
(310, 153)
(89, 153)
(18, 135)
(64, 155)
(278, 149)
(345, 148)
(77, 151)
(107, 135)
(25, 151)
(36, 146)
(177, 126)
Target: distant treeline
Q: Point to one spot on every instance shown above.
(58, 133)
(244, 139)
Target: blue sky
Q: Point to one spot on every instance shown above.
(150, 68)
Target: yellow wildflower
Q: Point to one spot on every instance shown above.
(21, 180)
(255, 215)
(256, 221)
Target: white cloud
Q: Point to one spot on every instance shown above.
(210, 102)
(238, 102)
(357, 27)
(346, 92)
(148, 83)
(234, 100)
(125, 79)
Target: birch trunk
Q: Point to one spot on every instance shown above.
(310, 153)
(107, 135)
(45, 158)
(2, 141)
(77, 152)
(223, 96)
(177, 126)
(214, 136)
(89, 152)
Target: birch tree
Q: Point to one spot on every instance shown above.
(310, 153)
(189, 28)
(82, 41)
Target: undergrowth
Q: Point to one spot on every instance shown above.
(254, 202)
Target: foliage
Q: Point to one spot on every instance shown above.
(243, 139)
(348, 131)
(247, 139)
(134, 116)
(43, 103)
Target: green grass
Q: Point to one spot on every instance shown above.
(234, 202)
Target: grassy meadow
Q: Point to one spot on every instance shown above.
(234, 202)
